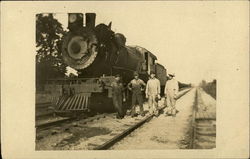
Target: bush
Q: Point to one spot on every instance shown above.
(209, 87)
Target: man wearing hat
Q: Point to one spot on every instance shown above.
(118, 96)
(170, 91)
(136, 86)
(153, 90)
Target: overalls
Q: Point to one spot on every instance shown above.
(153, 89)
(136, 95)
(117, 92)
(171, 90)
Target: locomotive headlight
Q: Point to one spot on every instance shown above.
(72, 18)
(77, 47)
(79, 44)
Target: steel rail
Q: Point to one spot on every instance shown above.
(69, 119)
(194, 133)
(193, 122)
(49, 124)
(122, 135)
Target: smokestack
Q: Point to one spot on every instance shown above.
(90, 20)
(75, 21)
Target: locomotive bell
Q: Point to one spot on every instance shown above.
(120, 39)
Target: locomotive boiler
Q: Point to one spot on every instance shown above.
(97, 53)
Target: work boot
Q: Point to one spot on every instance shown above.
(177, 111)
(142, 114)
(173, 112)
(151, 112)
(118, 116)
(133, 115)
(156, 113)
(168, 113)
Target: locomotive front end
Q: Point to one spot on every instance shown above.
(97, 53)
(79, 47)
(80, 52)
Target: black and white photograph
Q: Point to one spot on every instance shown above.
(141, 76)
(97, 89)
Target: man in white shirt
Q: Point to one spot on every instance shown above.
(153, 90)
(170, 91)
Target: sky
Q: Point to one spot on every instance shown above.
(183, 37)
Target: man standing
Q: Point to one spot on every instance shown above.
(136, 86)
(153, 90)
(170, 91)
(118, 96)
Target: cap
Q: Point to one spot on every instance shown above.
(152, 72)
(117, 75)
(135, 74)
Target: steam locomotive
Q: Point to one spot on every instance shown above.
(98, 53)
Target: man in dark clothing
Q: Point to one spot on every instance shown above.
(118, 96)
(136, 86)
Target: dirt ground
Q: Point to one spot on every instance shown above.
(81, 136)
(163, 132)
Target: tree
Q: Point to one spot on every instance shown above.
(209, 87)
(203, 83)
(49, 33)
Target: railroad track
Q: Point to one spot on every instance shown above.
(44, 110)
(53, 123)
(72, 125)
(67, 120)
(122, 135)
(65, 124)
(203, 131)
